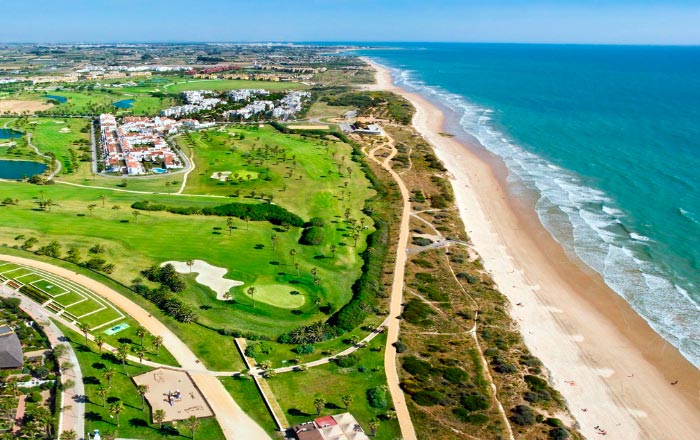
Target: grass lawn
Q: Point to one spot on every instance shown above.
(247, 252)
(246, 394)
(133, 421)
(296, 391)
(229, 84)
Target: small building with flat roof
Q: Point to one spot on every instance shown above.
(336, 427)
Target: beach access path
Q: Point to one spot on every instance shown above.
(614, 371)
(234, 423)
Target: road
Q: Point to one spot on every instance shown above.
(72, 418)
(234, 423)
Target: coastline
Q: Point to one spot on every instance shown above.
(601, 355)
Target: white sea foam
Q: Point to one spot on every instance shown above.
(586, 220)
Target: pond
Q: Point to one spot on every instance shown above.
(8, 133)
(124, 103)
(59, 99)
(18, 169)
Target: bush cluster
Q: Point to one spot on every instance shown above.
(274, 214)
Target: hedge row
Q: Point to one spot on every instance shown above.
(252, 211)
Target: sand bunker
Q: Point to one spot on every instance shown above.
(64, 130)
(19, 106)
(221, 175)
(207, 275)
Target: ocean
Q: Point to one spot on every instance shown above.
(607, 137)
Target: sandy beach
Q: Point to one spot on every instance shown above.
(613, 370)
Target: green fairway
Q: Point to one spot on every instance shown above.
(229, 84)
(280, 295)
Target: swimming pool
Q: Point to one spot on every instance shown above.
(159, 170)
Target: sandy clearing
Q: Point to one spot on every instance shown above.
(19, 106)
(208, 275)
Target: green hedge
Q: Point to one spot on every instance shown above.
(253, 211)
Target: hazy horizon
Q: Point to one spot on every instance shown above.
(625, 22)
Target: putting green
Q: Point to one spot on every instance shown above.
(279, 295)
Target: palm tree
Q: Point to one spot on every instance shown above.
(99, 341)
(90, 208)
(333, 249)
(136, 216)
(227, 296)
(273, 239)
(115, 408)
(142, 390)
(247, 220)
(141, 332)
(251, 292)
(69, 435)
(347, 400)
(319, 404)
(141, 352)
(108, 375)
(103, 197)
(192, 423)
(102, 392)
(122, 355)
(85, 329)
(293, 253)
(157, 342)
(296, 266)
(159, 417)
(44, 419)
(229, 225)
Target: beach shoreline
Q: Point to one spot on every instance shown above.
(613, 369)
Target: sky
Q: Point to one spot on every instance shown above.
(515, 21)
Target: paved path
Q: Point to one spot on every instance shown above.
(392, 376)
(72, 418)
(234, 423)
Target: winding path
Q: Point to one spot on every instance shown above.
(58, 162)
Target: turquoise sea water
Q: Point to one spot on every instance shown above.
(608, 137)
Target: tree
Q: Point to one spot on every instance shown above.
(157, 342)
(104, 198)
(373, 425)
(99, 341)
(142, 390)
(91, 208)
(108, 374)
(159, 417)
(122, 354)
(136, 216)
(293, 253)
(251, 292)
(319, 404)
(85, 329)
(102, 392)
(230, 225)
(296, 266)
(141, 332)
(273, 239)
(69, 435)
(333, 249)
(347, 400)
(192, 423)
(44, 419)
(116, 408)
(141, 352)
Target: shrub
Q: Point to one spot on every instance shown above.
(416, 366)
(475, 402)
(559, 434)
(311, 236)
(305, 349)
(422, 241)
(377, 397)
(400, 346)
(257, 349)
(455, 375)
(346, 361)
(554, 422)
(467, 417)
(537, 396)
(415, 311)
(315, 221)
(471, 279)
(274, 214)
(34, 397)
(522, 415)
(536, 383)
(428, 397)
